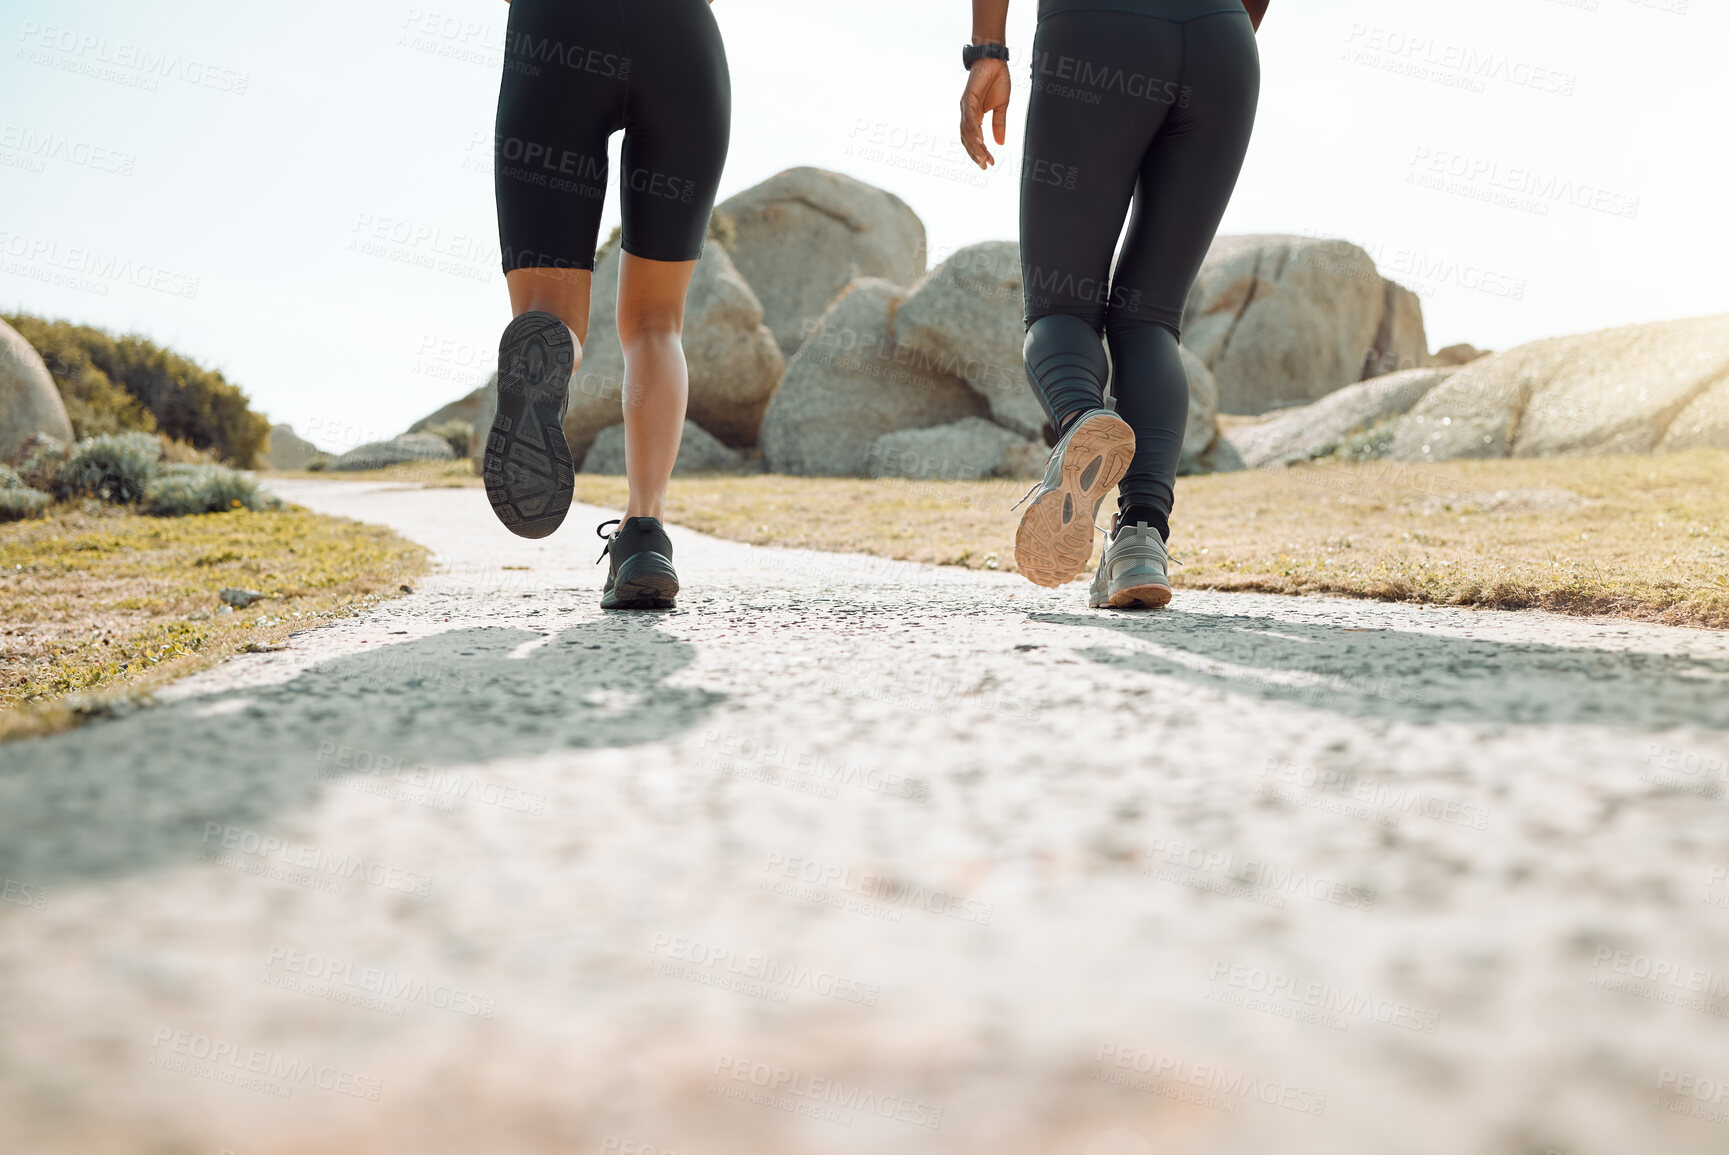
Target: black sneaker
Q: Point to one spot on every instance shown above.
(641, 576)
(527, 467)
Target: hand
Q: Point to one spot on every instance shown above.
(987, 91)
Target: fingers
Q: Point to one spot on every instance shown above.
(972, 134)
(999, 121)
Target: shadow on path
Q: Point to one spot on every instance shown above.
(1378, 673)
(136, 792)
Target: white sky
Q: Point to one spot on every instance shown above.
(218, 208)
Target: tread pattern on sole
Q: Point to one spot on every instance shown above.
(1149, 596)
(1054, 541)
(527, 465)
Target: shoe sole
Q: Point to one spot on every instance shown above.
(1151, 596)
(646, 581)
(527, 465)
(1054, 541)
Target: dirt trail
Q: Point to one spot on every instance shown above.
(859, 856)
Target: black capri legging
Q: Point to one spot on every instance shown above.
(577, 71)
(1142, 102)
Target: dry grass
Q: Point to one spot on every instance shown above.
(458, 474)
(1637, 536)
(99, 603)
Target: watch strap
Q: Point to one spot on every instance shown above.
(972, 53)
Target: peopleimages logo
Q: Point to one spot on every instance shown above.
(1261, 880)
(221, 1061)
(1211, 1077)
(269, 855)
(1054, 71)
(755, 966)
(1324, 998)
(877, 887)
(796, 1085)
(343, 974)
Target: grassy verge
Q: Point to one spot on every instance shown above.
(97, 602)
(1636, 536)
(433, 474)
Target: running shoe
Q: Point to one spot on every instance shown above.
(527, 467)
(641, 576)
(1133, 572)
(1055, 538)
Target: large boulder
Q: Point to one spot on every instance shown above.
(1283, 321)
(396, 451)
(802, 236)
(698, 452)
(1629, 390)
(464, 408)
(850, 383)
(734, 362)
(1454, 355)
(965, 317)
(1703, 424)
(1314, 430)
(288, 450)
(1201, 431)
(29, 402)
(965, 450)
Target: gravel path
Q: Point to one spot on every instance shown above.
(859, 856)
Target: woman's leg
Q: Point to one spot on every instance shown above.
(1186, 181)
(1086, 134)
(549, 170)
(656, 381)
(562, 292)
(1085, 138)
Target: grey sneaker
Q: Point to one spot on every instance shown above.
(1055, 538)
(1133, 572)
(527, 465)
(641, 576)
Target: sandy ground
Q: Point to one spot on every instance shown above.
(848, 855)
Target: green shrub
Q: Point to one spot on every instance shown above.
(115, 467)
(179, 490)
(115, 385)
(44, 462)
(457, 433)
(19, 504)
(17, 500)
(1369, 444)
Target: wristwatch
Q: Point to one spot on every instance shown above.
(975, 52)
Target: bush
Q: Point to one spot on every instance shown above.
(17, 500)
(129, 384)
(18, 504)
(457, 433)
(94, 402)
(179, 490)
(45, 458)
(1369, 444)
(115, 467)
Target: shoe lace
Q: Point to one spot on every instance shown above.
(600, 532)
(1109, 538)
(1027, 494)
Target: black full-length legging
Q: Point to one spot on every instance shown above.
(1142, 102)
